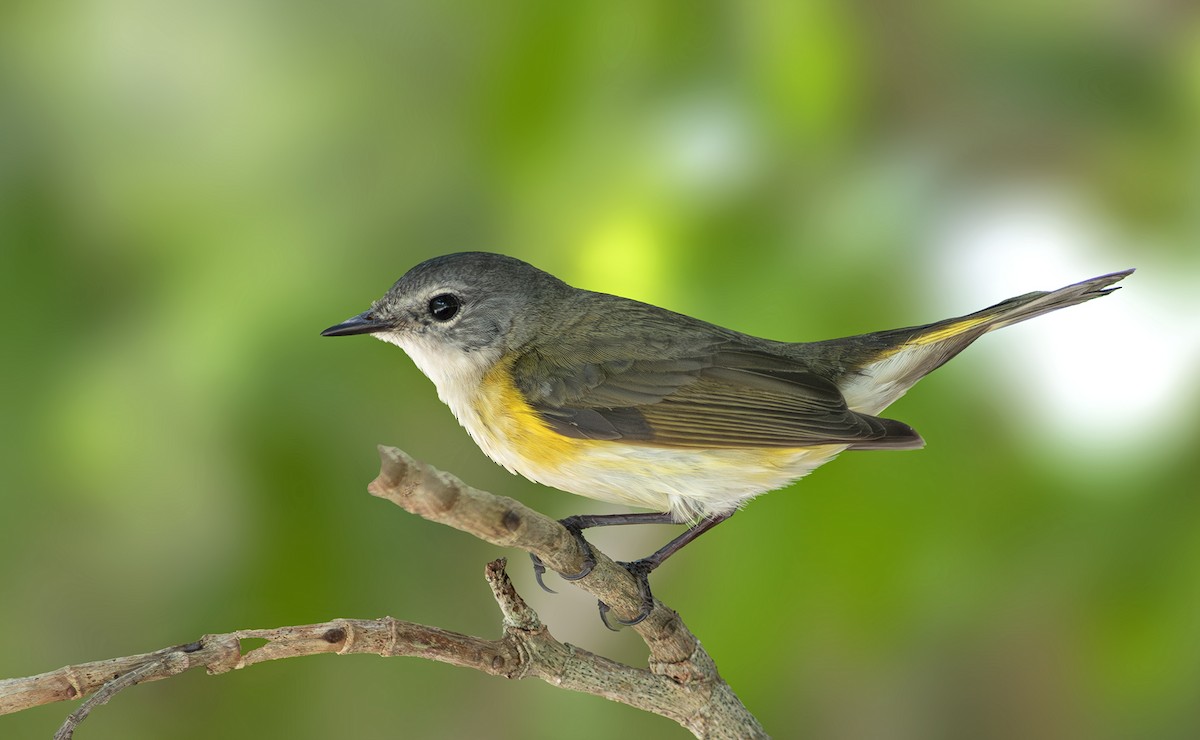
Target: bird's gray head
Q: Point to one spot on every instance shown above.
(464, 303)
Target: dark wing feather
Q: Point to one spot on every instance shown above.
(724, 394)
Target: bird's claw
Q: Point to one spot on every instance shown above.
(589, 558)
(640, 570)
(539, 570)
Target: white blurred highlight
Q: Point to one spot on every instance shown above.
(1110, 381)
(705, 146)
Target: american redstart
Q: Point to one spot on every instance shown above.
(622, 401)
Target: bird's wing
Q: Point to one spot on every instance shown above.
(724, 394)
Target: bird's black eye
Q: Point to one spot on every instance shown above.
(444, 306)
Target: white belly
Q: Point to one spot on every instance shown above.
(691, 484)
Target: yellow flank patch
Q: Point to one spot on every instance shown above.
(781, 458)
(512, 423)
(951, 330)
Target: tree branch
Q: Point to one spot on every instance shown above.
(681, 682)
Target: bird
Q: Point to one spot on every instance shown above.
(625, 402)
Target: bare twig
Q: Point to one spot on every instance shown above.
(681, 682)
(73, 682)
(142, 673)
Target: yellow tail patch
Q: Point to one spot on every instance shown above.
(951, 330)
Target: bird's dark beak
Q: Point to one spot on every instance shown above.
(364, 323)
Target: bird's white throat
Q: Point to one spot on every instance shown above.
(455, 373)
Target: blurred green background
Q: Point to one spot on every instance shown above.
(190, 191)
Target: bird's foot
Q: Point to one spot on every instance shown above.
(640, 570)
(589, 560)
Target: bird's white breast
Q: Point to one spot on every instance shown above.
(456, 374)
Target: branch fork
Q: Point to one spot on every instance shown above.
(680, 682)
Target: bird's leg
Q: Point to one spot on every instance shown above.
(641, 569)
(576, 524)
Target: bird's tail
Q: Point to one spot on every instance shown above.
(886, 364)
(1027, 306)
